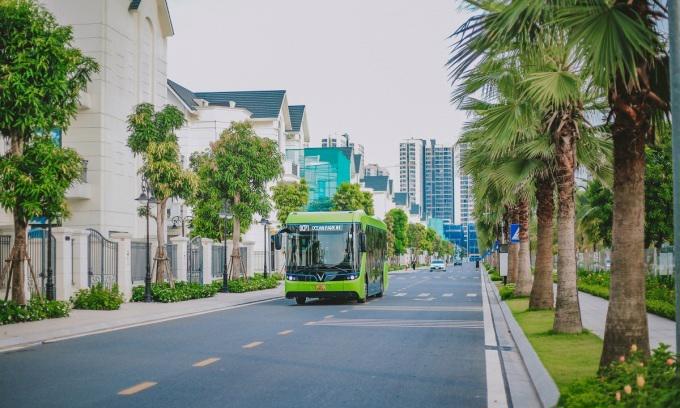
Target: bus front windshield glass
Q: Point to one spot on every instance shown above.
(320, 246)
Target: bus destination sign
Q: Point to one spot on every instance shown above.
(320, 227)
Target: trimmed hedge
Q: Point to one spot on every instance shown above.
(36, 309)
(660, 292)
(258, 282)
(162, 292)
(98, 298)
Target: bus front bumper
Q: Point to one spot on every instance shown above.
(336, 289)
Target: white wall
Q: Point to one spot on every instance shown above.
(130, 47)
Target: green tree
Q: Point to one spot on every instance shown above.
(397, 223)
(416, 239)
(41, 76)
(289, 197)
(659, 193)
(234, 172)
(152, 136)
(349, 197)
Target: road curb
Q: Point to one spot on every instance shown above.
(544, 385)
(114, 327)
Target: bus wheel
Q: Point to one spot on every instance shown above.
(300, 300)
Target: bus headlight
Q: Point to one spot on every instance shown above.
(352, 276)
(291, 277)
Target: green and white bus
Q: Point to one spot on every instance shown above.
(340, 254)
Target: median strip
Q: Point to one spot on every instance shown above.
(137, 388)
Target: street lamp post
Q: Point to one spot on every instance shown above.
(181, 219)
(227, 215)
(146, 196)
(49, 286)
(265, 223)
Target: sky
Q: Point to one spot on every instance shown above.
(372, 68)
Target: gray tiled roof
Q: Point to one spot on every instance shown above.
(296, 113)
(400, 198)
(262, 104)
(377, 183)
(185, 95)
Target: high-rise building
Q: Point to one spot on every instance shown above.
(337, 140)
(439, 170)
(373, 169)
(412, 171)
(463, 198)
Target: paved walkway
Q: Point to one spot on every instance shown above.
(84, 322)
(594, 314)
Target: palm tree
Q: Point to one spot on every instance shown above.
(632, 68)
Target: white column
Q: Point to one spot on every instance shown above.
(124, 262)
(206, 243)
(181, 243)
(63, 267)
(79, 242)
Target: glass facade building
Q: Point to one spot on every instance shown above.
(324, 169)
(439, 171)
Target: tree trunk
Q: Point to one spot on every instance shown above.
(236, 270)
(523, 285)
(161, 257)
(20, 235)
(567, 311)
(626, 322)
(542, 289)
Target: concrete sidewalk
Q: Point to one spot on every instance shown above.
(594, 315)
(86, 322)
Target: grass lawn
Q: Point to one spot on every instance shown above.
(567, 357)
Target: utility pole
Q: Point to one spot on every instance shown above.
(674, 49)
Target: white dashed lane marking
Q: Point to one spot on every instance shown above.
(400, 294)
(471, 295)
(447, 294)
(424, 295)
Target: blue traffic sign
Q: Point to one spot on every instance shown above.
(514, 233)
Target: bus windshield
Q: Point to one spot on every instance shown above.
(311, 247)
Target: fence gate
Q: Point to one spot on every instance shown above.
(244, 260)
(139, 261)
(102, 260)
(5, 247)
(195, 260)
(171, 252)
(37, 252)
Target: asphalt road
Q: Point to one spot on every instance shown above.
(422, 345)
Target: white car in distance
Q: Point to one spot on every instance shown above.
(437, 265)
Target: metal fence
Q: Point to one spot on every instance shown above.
(195, 260)
(217, 261)
(171, 250)
(102, 260)
(244, 259)
(5, 247)
(258, 261)
(138, 261)
(37, 252)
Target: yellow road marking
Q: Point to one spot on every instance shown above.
(285, 332)
(137, 388)
(252, 345)
(206, 362)
(328, 316)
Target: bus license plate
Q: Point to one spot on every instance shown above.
(321, 288)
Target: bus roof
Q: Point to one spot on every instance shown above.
(318, 217)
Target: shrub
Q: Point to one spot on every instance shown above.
(258, 282)
(633, 382)
(507, 291)
(162, 292)
(36, 309)
(98, 298)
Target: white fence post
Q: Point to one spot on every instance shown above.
(63, 268)
(124, 263)
(79, 241)
(206, 243)
(181, 243)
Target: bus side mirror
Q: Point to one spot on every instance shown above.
(277, 241)
(362, 242)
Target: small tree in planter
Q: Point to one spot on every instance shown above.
(152, 135)
(235, 171)
(40, 80)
